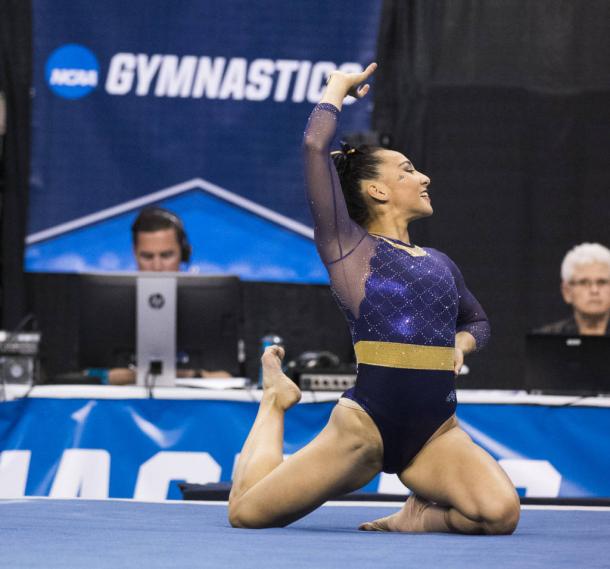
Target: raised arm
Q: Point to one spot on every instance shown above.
(336, 234)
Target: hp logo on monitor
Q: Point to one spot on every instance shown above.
(156, 301)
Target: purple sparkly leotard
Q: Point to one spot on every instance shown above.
(403, 304)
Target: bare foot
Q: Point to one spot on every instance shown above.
(408, 519)
(275, 383)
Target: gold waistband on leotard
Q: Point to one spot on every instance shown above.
(406, 356)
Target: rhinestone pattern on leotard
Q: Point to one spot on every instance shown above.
(386, 293)
(403, 310)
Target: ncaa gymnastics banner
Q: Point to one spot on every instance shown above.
(197, 106)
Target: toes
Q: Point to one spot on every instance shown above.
(377, 525)
(273, 355)
(276, 351)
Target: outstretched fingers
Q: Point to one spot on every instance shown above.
(369, 70)
(359, 90)
(340, 84)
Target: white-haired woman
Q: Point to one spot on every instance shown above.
(585, 286)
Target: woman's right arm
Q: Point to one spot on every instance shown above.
(335, 233)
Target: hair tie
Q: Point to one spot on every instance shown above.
(348, 149)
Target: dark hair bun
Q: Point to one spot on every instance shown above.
(348, 149)
(354, 164)
(341, 158)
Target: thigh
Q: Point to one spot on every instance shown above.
(454, 471)
(345, 456)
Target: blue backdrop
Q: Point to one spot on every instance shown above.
(199, 106)
(99, 448)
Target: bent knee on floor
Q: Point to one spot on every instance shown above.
(500, 515)
(245, 516)
(239, 520)
(239, 516)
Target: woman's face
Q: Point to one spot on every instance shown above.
(588, 291)
(406, 187)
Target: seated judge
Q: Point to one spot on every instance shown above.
(585, 287)
(159, 240)
(160, 244)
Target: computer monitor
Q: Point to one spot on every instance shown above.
(208, 321)
(567, 364)
(156, 328)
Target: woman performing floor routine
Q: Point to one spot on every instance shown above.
(412, 320)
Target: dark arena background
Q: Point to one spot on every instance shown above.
(199, 107)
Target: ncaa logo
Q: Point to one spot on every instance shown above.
(72, 71)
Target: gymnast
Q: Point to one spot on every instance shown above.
(412, 320)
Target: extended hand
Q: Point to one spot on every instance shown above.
(351, 83)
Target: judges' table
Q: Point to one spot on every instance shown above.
(119, 442)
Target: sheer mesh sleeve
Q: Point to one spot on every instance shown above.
(471, 316)
(336, 234)
(344, 246)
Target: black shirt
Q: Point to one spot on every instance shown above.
(567, 327)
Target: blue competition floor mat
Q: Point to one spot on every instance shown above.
(83, 534)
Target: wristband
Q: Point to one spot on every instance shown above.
(100, 373)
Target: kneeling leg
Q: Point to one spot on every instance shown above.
(458, 487)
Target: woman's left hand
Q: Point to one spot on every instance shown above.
(341, 84)
(458, 361)
(353, 84)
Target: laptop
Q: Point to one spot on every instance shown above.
(567, 364)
